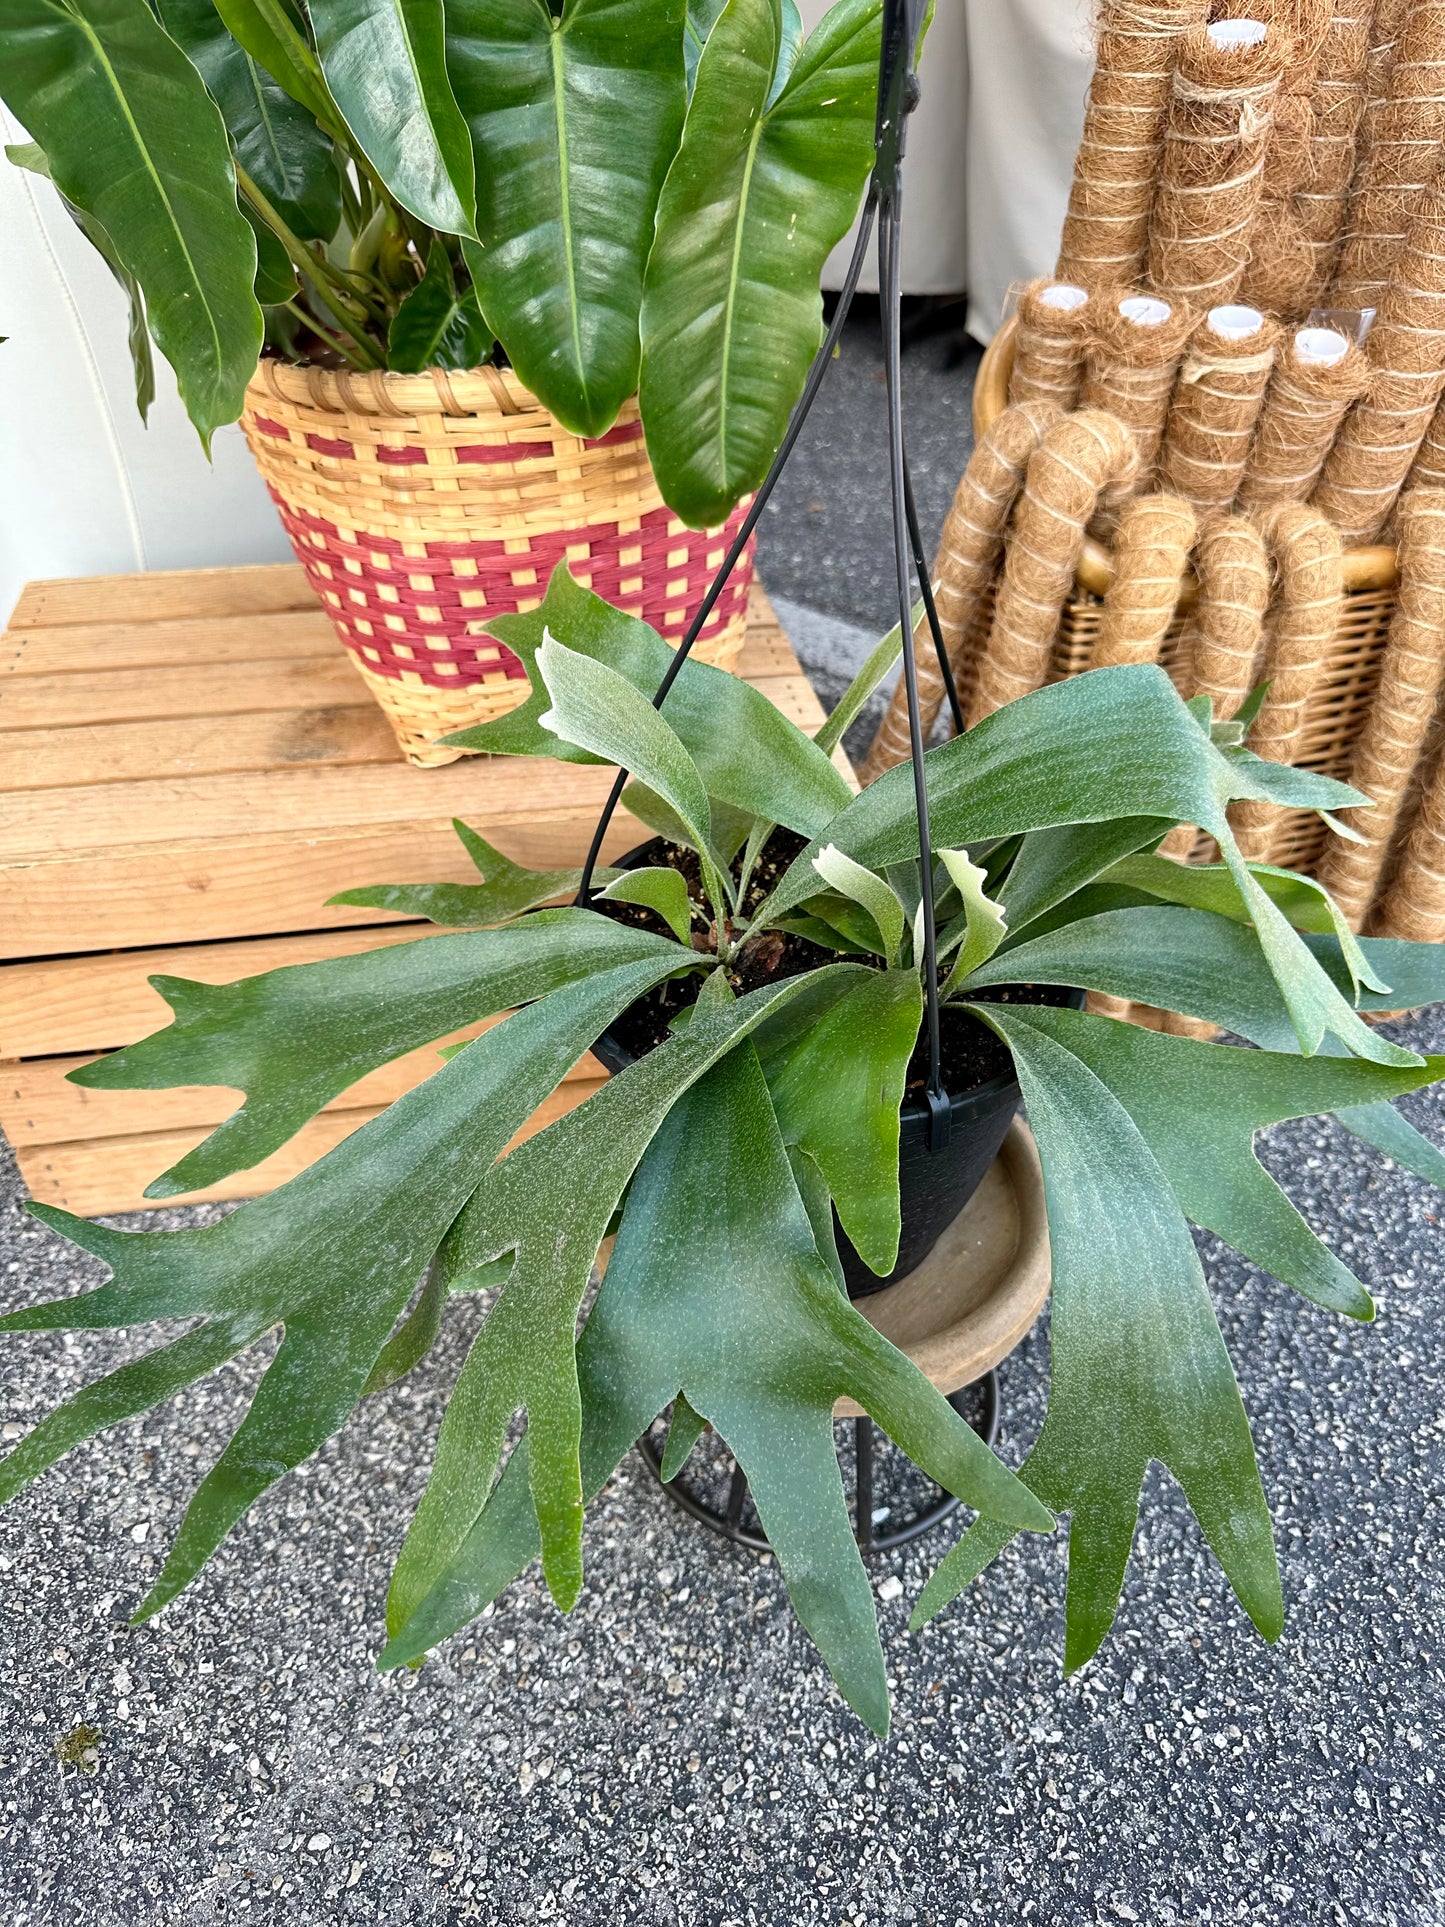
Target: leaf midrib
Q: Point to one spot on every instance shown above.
(564, 192)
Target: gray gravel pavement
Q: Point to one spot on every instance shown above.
(674, 1752)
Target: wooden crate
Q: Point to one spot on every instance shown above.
(189, 767)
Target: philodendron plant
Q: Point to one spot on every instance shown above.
(612, 189)
(773, 1091)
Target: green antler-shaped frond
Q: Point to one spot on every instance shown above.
(295, 1038)
(736, 1310)
(333, 1257)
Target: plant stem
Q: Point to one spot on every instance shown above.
(346, 349)
(347, 309)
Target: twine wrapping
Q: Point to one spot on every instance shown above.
(1322, 203)
(1079, 456)
(1404, 132)
(1217, 402)
(1382, 434)
(1129, 372)
(1309, 559)
(968, 554)
(1222, 641)
(1211, 168)
(1049, 345)
(1305, 403)
(1106, 229)
(1399, 718)
(1151, 553)
(1429, 469)
(1413, 905)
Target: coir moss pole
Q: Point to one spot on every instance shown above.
(1309, 560)
(1151, 553)
(1322, 202)
(1211, 173)
(1318, 376)
(1381, 437)
(1399, 719)
(1079, 457)
(1222, 641)
(968, 554)
(1279, 262)
(1053, 330)
(1106, 230)
(1404, 133)
(1217, 402)
(1134, 354)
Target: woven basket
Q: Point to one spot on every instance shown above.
(1348, 675)
(421, 505)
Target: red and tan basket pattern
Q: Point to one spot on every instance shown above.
(422, 505)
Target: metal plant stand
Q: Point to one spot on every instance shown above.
(934, 1506)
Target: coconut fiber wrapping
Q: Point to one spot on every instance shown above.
(1211, 168)
(1429, 469)
(1048, 349)
(1130, 372)
(1079, 456)
(1151, 553)
(1280, 262)
(1211, 422)
(1310, 564)
(1381, 437)
(1303, 407)
(1413, 905)
(1399, 720)
(1401, 161)
(1322, 202)
(968, 554)
(1106, 230)
(1222, 641)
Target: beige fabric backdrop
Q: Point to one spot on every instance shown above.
(991, 150)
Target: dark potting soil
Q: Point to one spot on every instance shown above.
(972, 1054)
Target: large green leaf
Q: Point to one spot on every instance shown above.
(1117, 743)
(333, 1257)
(135, 141)
(1053, 865)
(574, 115)
(278, 142)
(550, 1202)
(506, 891)
(295, 1038)
(1139, 1368)
(385, 63)
(270, 34)
(32, 158)
(438, 325)
(1198, 1107)
(761, 189)
(837, 1092)
(747, 751)
(732, 1305)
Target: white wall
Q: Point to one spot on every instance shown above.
(85, 488)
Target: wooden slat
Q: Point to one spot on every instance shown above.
(299, 633)
(254, 886)
(98, 1003)
(211, 746)
(39, 1106)
(196, 689)
(162, 595)
(97, 1177)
